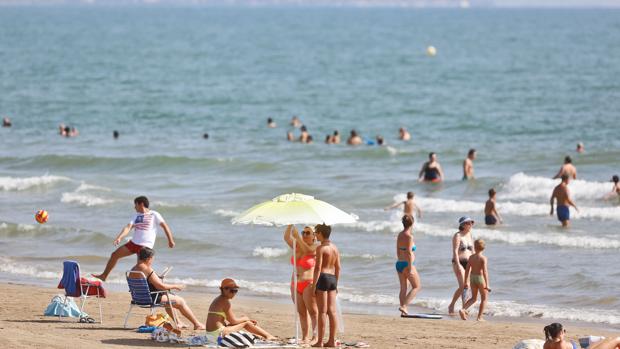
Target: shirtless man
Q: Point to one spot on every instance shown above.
(409, 206)
(403, 134)
(568, 168)
(580, 149)
(6, 122)
(336, 137)
(325, 284)
(468, 165)
(295, 122)
(491, 216)
(562, 195)
(271, 123)
(303, 138)
(615, 191)
(354, 138)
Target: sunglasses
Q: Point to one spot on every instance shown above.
(232, 290)
(307, 232)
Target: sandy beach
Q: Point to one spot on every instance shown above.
(22, 325)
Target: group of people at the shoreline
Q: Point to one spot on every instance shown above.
(314, 291)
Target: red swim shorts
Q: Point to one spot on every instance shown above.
(133, 248)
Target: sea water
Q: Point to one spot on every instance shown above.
(520, 86)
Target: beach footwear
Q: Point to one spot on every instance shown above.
(87, 319)
(146, 329)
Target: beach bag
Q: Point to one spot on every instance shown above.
(239, 339)
(156, 319)
(63, 306)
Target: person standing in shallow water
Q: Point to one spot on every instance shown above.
(325, 285)
(405, 265)
(491, 216)
(567, 169)
(468, 165)
(562, 195)
(431, 170)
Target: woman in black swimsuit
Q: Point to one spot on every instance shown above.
(462, 249)
(145, 262)
(431, 170)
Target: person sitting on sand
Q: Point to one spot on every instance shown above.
(145, 265)
(409, 206)
(271, 123)
(145, 231)
(325, 284)
(562, 195)
(403, 134)
(567, 169)
(477, 272)
(462, 249)
(431, 170)
(6, 122)
(491, 216)
(468, 165)
(354, 138)
(554, 339)
(405, 264)
(222, 321)
(305, 250)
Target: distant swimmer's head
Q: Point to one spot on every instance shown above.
(328, 139)
(310, 139)
(353, 133)
(67, 131)
(410, 195)
(115, 134)
(407, 221)
(480, 245)
(290, 137)
(465, 222)
(141, 202)
(615, 179)
(269, 120)
(432, 156)
(145, 254)
(205, 136)
(554, 331)
(492, 193)
(336, 133)
(380, 140)
(472, 153)
(322, 231)
(568, 160)
(304, 128)
(565, 178)
(580, 147)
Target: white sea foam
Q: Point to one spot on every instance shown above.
(393, 226)
(226, 213)
(9, 267)
(269, 252)
(521, 186)
(89, 187)
(84, 199)
(19, 184)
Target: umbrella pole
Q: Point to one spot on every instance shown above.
(295, 291)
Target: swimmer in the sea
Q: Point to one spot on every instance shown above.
(6, 122)
(615, 191)
(336, 137)
(568, 168)
(380, 141)
(271, 123)
(295, 122)
(431, 170)
(491, 216)
(409, 206)
(115, 134)
(290, 137)
(562, 195)
(468, 165)
(303, 138)
(354, 138)
(580, 148)
(403, 134)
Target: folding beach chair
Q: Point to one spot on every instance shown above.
(142, 297)
(77, 287)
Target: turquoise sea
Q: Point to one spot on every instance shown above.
(520, 86)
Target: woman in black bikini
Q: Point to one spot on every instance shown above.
(145, 262)
(462, 249)
(431, 170)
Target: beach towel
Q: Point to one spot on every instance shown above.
(70, 279)
(239, 339)
(530, 344)
(58, 307)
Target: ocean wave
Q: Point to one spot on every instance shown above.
(525, 209)
(521, 187)
(226, 213)
(84, 199)
(520, 238)
(269, 252)
(19, 184)
(90, 187)
(392, 226)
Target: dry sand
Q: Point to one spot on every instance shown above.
(22, 325)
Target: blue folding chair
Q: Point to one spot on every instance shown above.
(142, 297)
(73, 286)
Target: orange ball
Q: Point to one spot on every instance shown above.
(41, 216)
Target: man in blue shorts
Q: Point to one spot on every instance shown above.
(562, 195)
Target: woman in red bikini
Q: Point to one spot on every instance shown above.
(305, 247)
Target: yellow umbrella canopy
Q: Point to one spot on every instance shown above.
(293, 209)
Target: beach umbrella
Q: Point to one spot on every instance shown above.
(293, 209)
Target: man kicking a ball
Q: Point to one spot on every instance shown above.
(145, 231)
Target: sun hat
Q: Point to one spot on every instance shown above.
(228, 283)
(464, 220)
